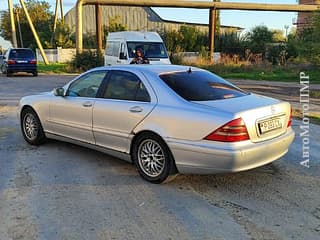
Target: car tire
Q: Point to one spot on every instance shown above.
(31, 127)
(35, 74)
(9, 74)
(153, 158)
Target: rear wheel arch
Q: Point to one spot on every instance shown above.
(153, 135)
(143, 132)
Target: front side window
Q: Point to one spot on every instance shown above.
(126, 86)
(149, 49)
(200, 86)
(87, 85)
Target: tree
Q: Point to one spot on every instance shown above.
(62, 37)
(172, 40)
(41, 17)
(305, 45)
(230, 43)
(114, 25)
(258, 38)
(278, 35)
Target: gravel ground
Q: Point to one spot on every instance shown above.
(62, 191)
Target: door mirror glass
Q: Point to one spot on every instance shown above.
(123, 56)
(58, 92)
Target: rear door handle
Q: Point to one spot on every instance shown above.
(136, 109)
(87, 104)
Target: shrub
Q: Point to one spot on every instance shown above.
(86, 60)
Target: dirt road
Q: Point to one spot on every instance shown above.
(62, 191)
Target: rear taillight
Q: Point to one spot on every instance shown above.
(33, 61)
(10, 62)
(233, 131)
(290, 119)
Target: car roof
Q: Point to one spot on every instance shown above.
(152, 68)
(20, 49)
(134, 36)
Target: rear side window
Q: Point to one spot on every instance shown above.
(126, 86)
(201, 86)
(112, 48)
(21, 53)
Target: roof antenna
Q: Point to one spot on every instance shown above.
(189, 70)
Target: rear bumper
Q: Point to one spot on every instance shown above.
(22, 68)
(206, 157)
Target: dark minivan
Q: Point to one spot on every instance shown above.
(19, 60)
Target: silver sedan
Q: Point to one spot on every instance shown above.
(164, 119)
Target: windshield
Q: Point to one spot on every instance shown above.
(21, 53)
(149, 49)
(201, 86)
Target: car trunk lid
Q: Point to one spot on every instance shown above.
(264, 117)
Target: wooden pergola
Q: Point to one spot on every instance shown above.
(212, 6)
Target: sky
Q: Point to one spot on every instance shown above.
(244, 19)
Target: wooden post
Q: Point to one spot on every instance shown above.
(79, 43)
(13, 26)
(61, 12)
(54, 22)
(212, 30)
(98, 27)
(16, 11)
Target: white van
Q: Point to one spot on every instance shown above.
(121, 47)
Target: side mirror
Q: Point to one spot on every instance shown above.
(123, 56)
(58, 92)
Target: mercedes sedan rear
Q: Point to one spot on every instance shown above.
(164, 119)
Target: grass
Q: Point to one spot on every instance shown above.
(314, 118)
(251, 72)
(270, 73)
(53, 68)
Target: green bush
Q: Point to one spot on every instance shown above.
(86, 60)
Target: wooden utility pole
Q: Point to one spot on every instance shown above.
(61, 11)
(13, 26)
(44, 57)
(98, 27)
(212, 31)
(54, 22)
(16, 11)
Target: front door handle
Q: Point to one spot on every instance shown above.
(136, 109)
(87, 104)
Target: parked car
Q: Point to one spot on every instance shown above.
(19, 60)
(166, 119)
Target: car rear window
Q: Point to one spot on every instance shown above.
(21, 53)
(201, 86)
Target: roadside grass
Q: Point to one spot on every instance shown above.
(315, 93)
(270, 73)
(251, 72)
(314, 118)
(53, 68)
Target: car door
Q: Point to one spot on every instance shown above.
(126, 100)
(71, 115)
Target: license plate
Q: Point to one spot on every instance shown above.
(22, 61)
(269, 125)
